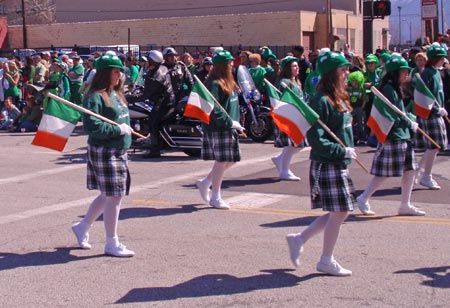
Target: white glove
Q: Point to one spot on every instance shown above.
(125, 129)
(442, 112)
(414, 126)
(237, 126)
(350, 153)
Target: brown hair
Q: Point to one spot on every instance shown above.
(101, 83)
(222, 73)
(336, 94)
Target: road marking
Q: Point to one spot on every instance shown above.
(28, 176)
(255, 200)
(85, 201)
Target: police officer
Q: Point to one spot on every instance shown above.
(180, 76)
(157, 89)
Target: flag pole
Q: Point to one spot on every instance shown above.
(87, 111)
(417, 75)
(324, 126)
(216, 103)
(395, 108)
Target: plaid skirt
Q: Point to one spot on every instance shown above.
(392, 159)
(222, 146)
(282, 140)
(332, 188)
(435, 128)
(107, 171)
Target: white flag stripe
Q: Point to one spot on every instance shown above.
(384, 123)
(420, 98)
(292, 113)
(56, 126)
(200, 102)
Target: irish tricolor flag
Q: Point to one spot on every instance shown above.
(200, 103)
(56, 125)
(423, 99)
(381, 119)
(291, 115)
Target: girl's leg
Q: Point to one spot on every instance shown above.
(81, 229)
(216, 176)
(283, 162)
(428, 159)
(405, 206)
(363, 199)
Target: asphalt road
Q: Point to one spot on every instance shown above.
(191, 255)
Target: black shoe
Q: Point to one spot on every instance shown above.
(152, 155)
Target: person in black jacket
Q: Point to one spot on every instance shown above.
(180, 76)
(158, 90)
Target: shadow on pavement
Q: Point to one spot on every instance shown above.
(217, 284)
(40, 258)
(439, 277)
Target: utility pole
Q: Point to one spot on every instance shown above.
(399, 27)
(24, 26)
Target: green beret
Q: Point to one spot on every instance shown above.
(385, 56)
(108, 61)
(372, 59)
(221, 56)
(396, 62)
(330, 61)
(436, 50)
(266, 53)
(288, 60)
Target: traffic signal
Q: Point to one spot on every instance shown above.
(381, 8)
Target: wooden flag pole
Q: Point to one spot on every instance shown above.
(216, 103)
(89, 112)
(325, 127)
(417, 75)
(395, 108)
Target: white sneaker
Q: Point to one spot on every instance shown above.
(204, 190)
(295, 245)
(430, 183)
(289, 176)
(219, 204)
(333, 268)
(82, 237)
(276, 162)
(364, 206)
(411, 211)
(120, 251)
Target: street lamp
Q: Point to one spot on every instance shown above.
(399, 26)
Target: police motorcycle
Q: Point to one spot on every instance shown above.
(255, 116)
(176, 131)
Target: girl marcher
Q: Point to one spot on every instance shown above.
(107, 167)
(434, 126)
(331, 186)
(289, 77)
(394, 158)
(220, 136)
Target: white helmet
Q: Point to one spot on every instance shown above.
(168, 51)
(155, 56)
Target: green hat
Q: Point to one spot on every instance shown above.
(288, 60)
(222, 56)
(385, 56)
(330, 61)
(396, 62)
(358, 77)
(58, 63)
(266, 53)
(436, 50)
(108, 61)
(372, 59)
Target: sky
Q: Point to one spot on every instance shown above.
(410, 19)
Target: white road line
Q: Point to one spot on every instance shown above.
(134, 189)
(252, 200)
(28, 176)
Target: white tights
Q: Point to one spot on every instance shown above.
(215, 177)
(427, 160)
(286, 157)
(330, 224)
(110, 208)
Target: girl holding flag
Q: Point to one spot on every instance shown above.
(395, 157)
(220, 136)
(289, 77)
(107, 166)
(433, 123)
(331, 186)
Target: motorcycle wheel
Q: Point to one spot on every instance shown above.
(192, 152)
(261, 132)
